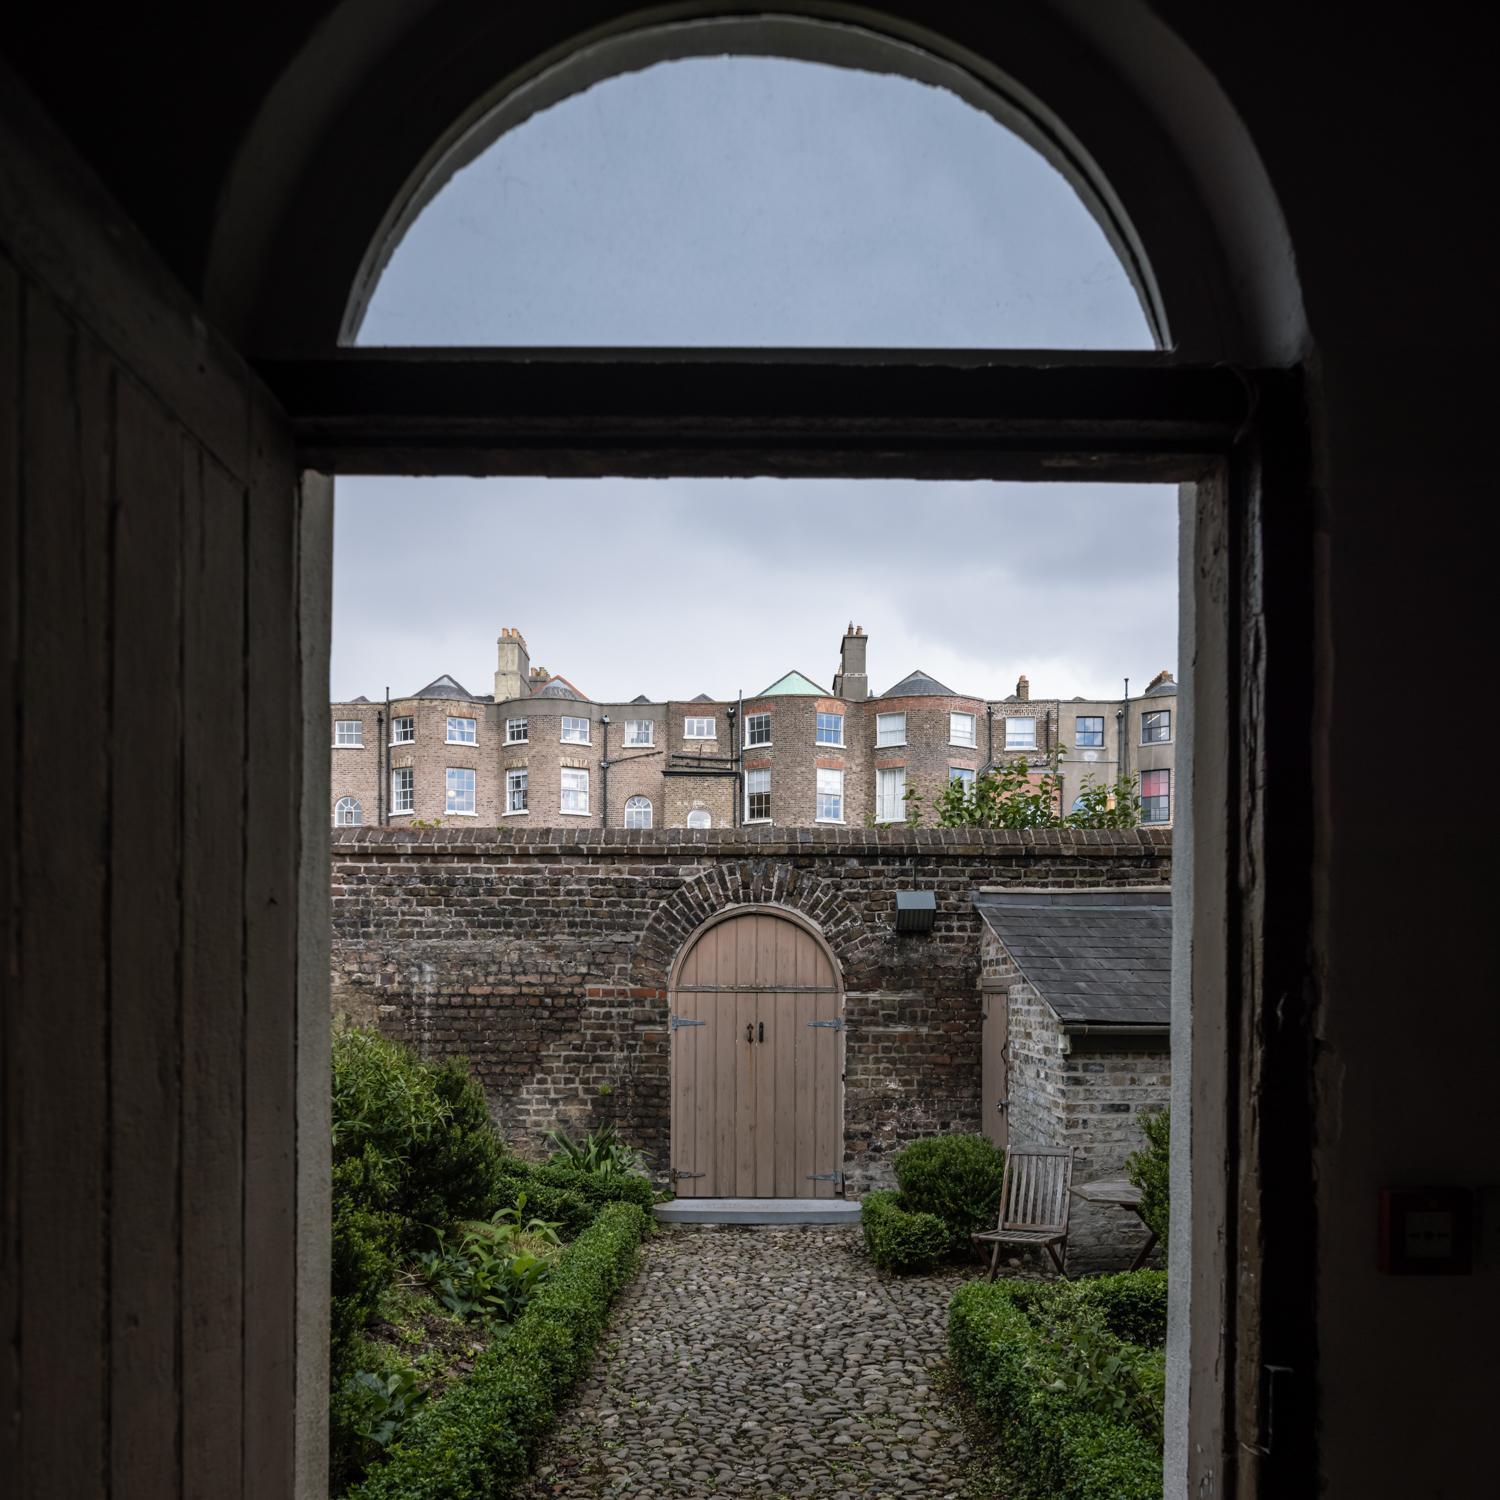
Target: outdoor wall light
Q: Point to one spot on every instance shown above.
(916, 911)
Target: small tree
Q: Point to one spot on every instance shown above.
(1013, 795)
(1150, 1170)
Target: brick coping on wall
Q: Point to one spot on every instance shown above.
(719, 842)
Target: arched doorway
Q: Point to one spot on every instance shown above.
(757, 1060)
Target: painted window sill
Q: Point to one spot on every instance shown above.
(564, 812)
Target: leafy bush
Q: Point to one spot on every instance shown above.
(476, 1441)
(955, 1177)
(493, 1270)
(1150, 1169)
(1075, 1410)
(369, 1411)
(591, 1186)
(420, 1132)
(601, 1152)
(899, 1240)
(569, 1211)
(364, 1246)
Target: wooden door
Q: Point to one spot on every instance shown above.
(994, 1081)
(757, 1063)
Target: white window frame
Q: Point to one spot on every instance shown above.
(633, 728)
(965, 774)
(1156, 739)
(887, 725)
(515, 737)
(758, 784)
(575, 792)
(700, 733)
(955, 737)
(760, 720)
(341, 741)
(700, 818)
(339, 807)
(1079, 731)
(473, 735)
(881, 798)
(573, 737)
(818, 730)
(517, 783)
(1165, 798)
(469, 787)
(403, 779)
(828, 806)
(404, 729)
(636, 805)
(1012, 743)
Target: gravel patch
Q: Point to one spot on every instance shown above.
(768, 1363)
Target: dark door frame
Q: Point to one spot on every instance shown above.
(1244, 1292)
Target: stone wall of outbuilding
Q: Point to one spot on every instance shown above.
(542, 956)
(1088, 1091)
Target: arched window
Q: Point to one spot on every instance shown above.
(751, 201)
(637, 812)
(348, 814)
(698, 818)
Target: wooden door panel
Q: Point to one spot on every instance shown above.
(756, 1094)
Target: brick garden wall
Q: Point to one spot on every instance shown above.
(543, 955)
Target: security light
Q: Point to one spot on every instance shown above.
(916, 911)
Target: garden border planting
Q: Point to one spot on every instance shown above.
(477, 1442)
(1056, 1443)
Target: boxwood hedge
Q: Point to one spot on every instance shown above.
(955, 1177)
(476, 1442)
(1056, 1444)
(899, 1240)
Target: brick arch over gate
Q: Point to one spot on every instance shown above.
(752, 882)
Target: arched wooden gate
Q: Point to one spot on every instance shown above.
(757, 1060)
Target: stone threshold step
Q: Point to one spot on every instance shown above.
(758, 1211)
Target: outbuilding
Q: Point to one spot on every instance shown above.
(1076, 989)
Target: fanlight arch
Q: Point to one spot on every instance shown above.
(777, 183)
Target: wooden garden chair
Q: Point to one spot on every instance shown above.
(1034, 1197)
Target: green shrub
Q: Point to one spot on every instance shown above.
(898, 1240)
(1150, 1169)
(476, 1441)
(955, 1177)
(1075, 1410)
(591, 1187)
(369, 1410)
(601, 1152)
(570, 1211)
(363, 1253)
(420, 1132)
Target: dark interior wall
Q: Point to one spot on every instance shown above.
(1370, 129)
(153, 546)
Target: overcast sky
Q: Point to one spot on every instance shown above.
(751, 201)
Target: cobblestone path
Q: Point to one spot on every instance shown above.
(766, 1363)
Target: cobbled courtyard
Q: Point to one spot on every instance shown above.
(766, 1363)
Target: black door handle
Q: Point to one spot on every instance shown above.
(749, 1032)
(762, 1031)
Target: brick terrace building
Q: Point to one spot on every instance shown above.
(539, 753)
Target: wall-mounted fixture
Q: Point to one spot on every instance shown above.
(916, 911)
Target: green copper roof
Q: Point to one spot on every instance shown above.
(794, 684)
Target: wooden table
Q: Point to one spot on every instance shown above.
(1123, 1194)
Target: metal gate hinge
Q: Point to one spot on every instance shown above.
(837, 1178)
(683, 1021)
(833, 1025)
(677, 1176)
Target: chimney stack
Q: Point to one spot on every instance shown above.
(1161, 677)
(512, 666)
(1023, 690)
(850, 680)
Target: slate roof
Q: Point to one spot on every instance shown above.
(444, 687)
(558, 687)
(703, 698)
(640, 698)
(1100, 958)
(919, 685)
(1167, 689)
